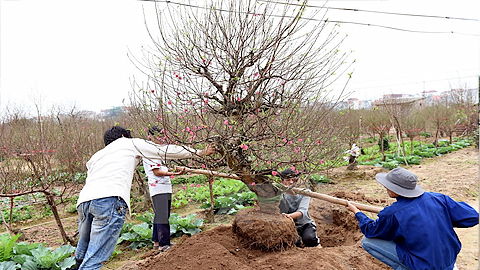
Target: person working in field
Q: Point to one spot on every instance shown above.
(105, 197)
(295, 207)
(415, 232)
(160, 189)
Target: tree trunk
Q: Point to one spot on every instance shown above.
(53, 206)
(268, 197)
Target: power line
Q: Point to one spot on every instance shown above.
(374, 11)
(345, 22)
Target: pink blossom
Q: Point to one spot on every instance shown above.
(284, 140)
(274, 173)
(269, 162)
(293, 168)
(321, 161)
(192, 185)
(300, 140)
(253, 183)
(153, 91)
(244, 146)
(172, 176)
(184, 188)
(319, 142)
(169, 103)
(226, 122)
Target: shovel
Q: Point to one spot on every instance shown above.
(335, 200)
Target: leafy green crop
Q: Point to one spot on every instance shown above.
(392, 160)
(200, 193)
(231, 204)
(139, 235)
(33, 256)
(184, 225)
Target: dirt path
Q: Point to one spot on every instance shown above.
(455, 174)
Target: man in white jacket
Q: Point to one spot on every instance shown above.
(105, 198)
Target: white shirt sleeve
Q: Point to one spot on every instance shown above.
(150, 150)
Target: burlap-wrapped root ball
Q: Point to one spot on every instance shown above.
(266, 231)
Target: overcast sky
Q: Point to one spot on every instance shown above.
(75, 52)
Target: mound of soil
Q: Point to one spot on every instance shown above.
(221, 248)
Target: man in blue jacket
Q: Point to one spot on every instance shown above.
(416, 232)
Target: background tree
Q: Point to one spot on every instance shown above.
(378, 122)
(253, 78)
(440, 116)
(44, 154)
(412, 125)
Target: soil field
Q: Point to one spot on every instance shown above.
(217, 247)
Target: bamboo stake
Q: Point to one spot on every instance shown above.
(335, 200)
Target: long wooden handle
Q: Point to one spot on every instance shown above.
(336, 200)
(312, 194)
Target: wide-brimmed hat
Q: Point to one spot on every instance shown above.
(401, 181)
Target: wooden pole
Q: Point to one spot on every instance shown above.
(335, 200)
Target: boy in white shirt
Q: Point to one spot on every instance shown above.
(160, 189)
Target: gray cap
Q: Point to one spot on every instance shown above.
(401, 181)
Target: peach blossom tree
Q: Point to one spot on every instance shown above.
(254, 78)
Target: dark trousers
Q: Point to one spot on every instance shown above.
(161, 226)
(308, 234)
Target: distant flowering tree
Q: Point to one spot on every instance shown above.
(378, 122)
(254, 78)
(413, 124)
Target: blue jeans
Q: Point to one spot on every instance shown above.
(385, 251)
(100, 222)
